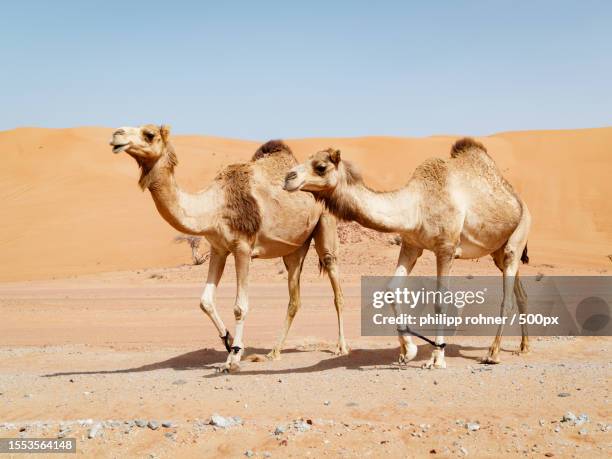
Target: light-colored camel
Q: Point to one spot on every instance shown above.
(246, 212)
(461, 207)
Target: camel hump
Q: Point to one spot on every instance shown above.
(272, 148)
(464, 145)
(241, 211)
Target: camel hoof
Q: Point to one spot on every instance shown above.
(490, 360)
(411, 352)
(435, 365)
(273, 355)
(341, 350)
(228, 368)
(436, 361)
(521, 352)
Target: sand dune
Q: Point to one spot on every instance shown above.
(69, 206)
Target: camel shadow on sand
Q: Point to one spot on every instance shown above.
(358, 359)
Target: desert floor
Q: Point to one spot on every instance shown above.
(134, 345)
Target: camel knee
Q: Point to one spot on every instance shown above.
(207, 306)
(293, 308)
(240, 311)
(511, 257)
(328, 261)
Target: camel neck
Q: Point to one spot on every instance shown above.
(390, 212)
(190, 213)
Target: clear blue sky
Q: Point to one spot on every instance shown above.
(262, 69)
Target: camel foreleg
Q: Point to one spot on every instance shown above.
(241, 309)
(207, 301)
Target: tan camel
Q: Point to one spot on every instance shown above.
(457, 208)
(246, 212)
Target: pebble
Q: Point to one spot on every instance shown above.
(464, 451)
(326, 402)
(582, 419)
(280, 430)
(249, 453)
(267, 454)
(63, 432)
(472, 426)
(563, 394)
(583, 432)
(140, 422)
(219, 421)
(94, 431)
(153, 425)
(301, 426)
(168, 424)
(568, 417)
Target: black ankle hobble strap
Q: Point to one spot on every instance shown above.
(405, 330)
(227, 341)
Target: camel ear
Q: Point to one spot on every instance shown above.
(164, 131)
(334, 156)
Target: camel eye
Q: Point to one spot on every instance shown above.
(320, 169)
(149, 136)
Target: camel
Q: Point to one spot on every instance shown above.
(245, 212)
(461, 207)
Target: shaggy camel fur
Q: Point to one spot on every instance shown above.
(246, 212)
(461, 207)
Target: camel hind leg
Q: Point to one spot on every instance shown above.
(521, 300)
(293, 263)
(508, 259)
(326, 245)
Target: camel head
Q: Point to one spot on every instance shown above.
(147, 144)
(321, 173)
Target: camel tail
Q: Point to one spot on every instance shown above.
(524, 256)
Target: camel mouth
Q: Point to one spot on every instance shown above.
(288, 187)
(120, 148)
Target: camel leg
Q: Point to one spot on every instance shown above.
(242, 258)
(407, 259)
(207, 301)
(444, 262)
(507, 259)
(293, 263)
(326, 245)
(521, 300)
(520, 297)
